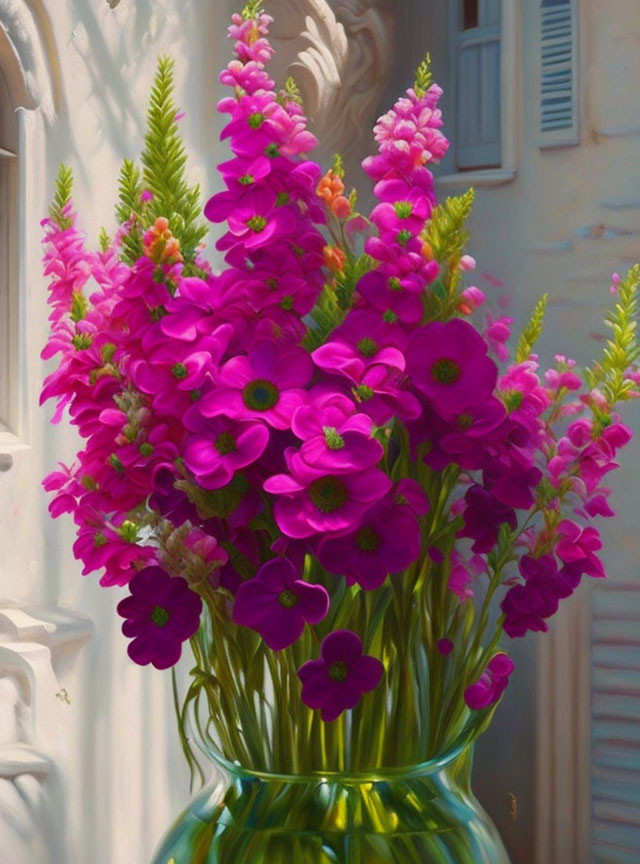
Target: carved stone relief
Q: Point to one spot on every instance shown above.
(340, 56)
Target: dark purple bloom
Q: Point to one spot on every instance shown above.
(161, 613)
(277, 603)
(483, 516)
(492, 683)
(337, 681)
(387, 541)
(526, 606)
(448, 364)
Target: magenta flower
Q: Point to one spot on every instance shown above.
(526, 606)
(309, 504)
(448, 364)
(483, 516)
(387, 541)
(277, 603)
(336, 682)
(265, 385)
(161, 613)
(220, 447)
(577, 547)
(492, 683)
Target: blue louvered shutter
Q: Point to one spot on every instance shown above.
(479, 116)
(615, 722)
(558, 73)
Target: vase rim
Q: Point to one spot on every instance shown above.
(474, 726)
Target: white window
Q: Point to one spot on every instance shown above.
(478, 96)
(559, 123)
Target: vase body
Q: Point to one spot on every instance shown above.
(424, 814)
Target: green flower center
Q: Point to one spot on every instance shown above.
(332, 437)
(287, 303)
(367, 347)
(146, 449)
(128, 531)
(159, 616)
(465, 421)
(246, 179)
(368, 540)
(395, 284)
(512, 399)
(328, 494)
(283, 198)
(446, 371)
(287, 599)
(115, 462)
(257, 224)
(194, 395)
(403, 209)
(272, 284)
(271, 150)
(363, 393)
(260, 395)
(99, 539)
(389, 316)
(256, 120)
(179, 371)
(403, 237)
(337, 671)
(225, 443)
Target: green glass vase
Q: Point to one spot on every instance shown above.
(422, 814)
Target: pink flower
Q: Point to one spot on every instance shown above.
(265, 385)
(220, 446)
(491, 684)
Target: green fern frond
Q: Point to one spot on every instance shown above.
(532, 330)
(164, 160)
(621, 351)
(445, 232)
(128, 207)
(335, 301)
(251, 10)
(337, 165)
(292, 91)
(62, 196)
(423, 77)
(103, 239)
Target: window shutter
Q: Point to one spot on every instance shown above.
(479, 122)
(558, 73)
(615, 722)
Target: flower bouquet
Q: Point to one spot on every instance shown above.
(323, 470)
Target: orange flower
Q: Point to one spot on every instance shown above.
(341, 206)
(330, 187)
(334, 258)
(160, 245)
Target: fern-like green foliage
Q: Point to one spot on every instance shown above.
(62, 196)
(446, 233)
(164, 160)
(335, 301)
(163, 174)
(103, 239)
(292, 91)
(338, 165)
(128, 207)
(251, 10)
(532, 330)
(622, 350)
(423, 77)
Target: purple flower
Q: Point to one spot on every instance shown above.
(448, 364)
(492, 683)
(577, 548)
(526, 606)
(265, 385)
(310, 504)
(277, 603)
(221, 447)
(387, 541)
(161, 613)
(483, 516)
(337, 681)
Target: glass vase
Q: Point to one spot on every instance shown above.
(421, 814)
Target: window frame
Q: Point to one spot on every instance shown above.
(509, 107)
(570, 136)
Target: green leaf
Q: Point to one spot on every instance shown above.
(252, 10)
(62, 196)
(532, 331)
(423, 77)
